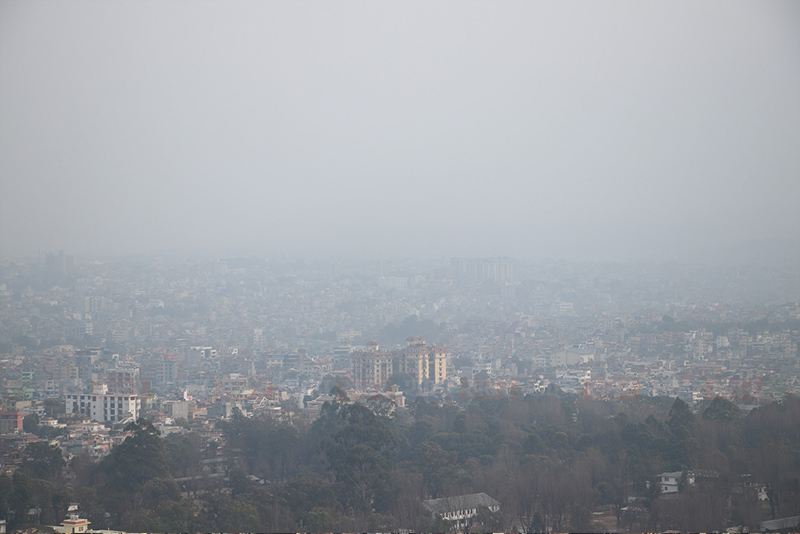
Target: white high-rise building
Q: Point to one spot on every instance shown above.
(104, 408)
(259, 340)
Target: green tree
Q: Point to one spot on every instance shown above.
(178, 516)
(721, 410)
(30, 423)
(184, 453)
(155, 492)
(42, 460)
(680, 417)
(6, 494)
(50, 499)
(307, 493)
(358, 454)
(138, 459)
(21, 498)
(241, 517)
(439, 467)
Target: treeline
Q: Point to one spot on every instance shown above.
(550, 460)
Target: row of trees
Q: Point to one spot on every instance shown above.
(551, 460)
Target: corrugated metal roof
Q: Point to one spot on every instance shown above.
(460, 502)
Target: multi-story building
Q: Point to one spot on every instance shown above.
(202, 353)
(341, 357)
(104, 408)
(373, 367)
(570, 356)
(10, 421)
(167, 372)
(498, 270)
(122, 381)
(233, 385)
(259, 340)
(423, 361)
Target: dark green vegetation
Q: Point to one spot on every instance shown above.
(551, 460)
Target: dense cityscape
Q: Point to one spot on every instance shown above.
(250, 379)
(359, 266)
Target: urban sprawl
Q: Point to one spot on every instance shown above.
(88, 347)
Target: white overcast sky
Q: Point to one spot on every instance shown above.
(595, 129)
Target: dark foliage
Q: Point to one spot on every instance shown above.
(551, 460)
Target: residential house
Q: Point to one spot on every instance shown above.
(460, 509)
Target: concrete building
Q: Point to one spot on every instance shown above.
(233, 385)
(423, 361)
(107, 408)
(670, 482)
(73, 525)
(259, 340)
(476, 271)
(198, 353)
(341, 357)
(118, 381)
(460, 509)
(373, 367)
(176, 408)
(571, 356)
(10, 421)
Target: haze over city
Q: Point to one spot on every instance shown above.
(579, 130)
(418, 266)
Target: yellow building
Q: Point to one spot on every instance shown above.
(373, 367)
(423, 361)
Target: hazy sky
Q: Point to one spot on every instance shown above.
(610, 130)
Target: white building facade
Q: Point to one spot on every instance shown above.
(104, 408)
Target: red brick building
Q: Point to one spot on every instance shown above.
(10, 422)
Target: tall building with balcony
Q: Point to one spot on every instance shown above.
(372, 368)
(423, 361)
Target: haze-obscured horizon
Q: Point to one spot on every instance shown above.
(578, 130)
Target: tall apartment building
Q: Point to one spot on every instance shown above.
(373, 367)
(167, 372)
(93, 306)
(341, 357)
(476, 271)
(423, 361)
(259, 340)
